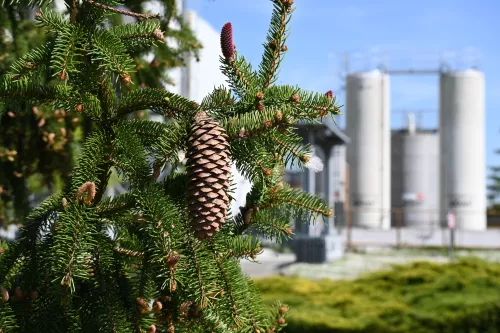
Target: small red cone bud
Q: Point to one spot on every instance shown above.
(11, 114)
(226, 41)
(329, 93)
(157, 306)
(63, 75)
(36, 112)
(284, 309)
(79, 108)
(260, 106)
(126, 79)
(284, 48)
(295, 98)
(152, 329)
(267, 172)
(89, 188)
(173, 259)
(279, 115)
(158, 34)
(38, 15)
(288, 231)
(4, 294)
(259, 96)
(281, 321)
(143, 305)
(268, 124)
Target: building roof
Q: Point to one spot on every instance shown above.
(331, 127)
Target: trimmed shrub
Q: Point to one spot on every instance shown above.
(423, 297)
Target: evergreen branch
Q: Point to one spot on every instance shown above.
(64, 58)
(31, 62)
(273, 224)
(54, 22)
(162, 140)
(159, 101)
(275, 44)
(123, 12)
(241, 77)
(313, 105)
(252, 124)
(234, 307)
(26, 90)
(290, 146)
(111, 53)
(243, 247)
(93, 162)
(117, 204)
(190, 243)
(219, 99)
(299, 201)
(255, 169)
(139, 36)
(130, 158)
(327, 213)
(73, 239)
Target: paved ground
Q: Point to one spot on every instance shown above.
(352, 265)
(270, 263)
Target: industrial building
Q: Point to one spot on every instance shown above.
(423, 174)
(383, 180)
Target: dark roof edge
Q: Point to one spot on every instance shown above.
(330, 124)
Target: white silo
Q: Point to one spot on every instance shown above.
(462, 136)
(369, 153)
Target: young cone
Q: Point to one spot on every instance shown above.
(208, 167)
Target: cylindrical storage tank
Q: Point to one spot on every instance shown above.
(418, 161)
(463, 166)
(369, 152)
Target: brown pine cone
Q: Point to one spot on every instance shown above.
(209, 170)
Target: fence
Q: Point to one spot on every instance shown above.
(414, 229)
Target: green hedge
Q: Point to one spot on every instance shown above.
(418, 298)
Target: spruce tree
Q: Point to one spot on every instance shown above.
(165, 256)
(38, 142)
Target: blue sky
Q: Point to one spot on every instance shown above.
(412, 33)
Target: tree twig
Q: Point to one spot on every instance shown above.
(73, 11)
(124, 12)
